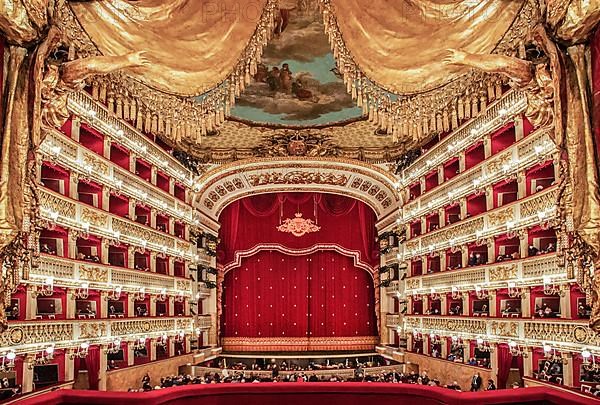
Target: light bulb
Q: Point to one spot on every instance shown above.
(11, 355)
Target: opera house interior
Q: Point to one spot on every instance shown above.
(215, 200)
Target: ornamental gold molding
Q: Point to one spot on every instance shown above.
(128, 327)
(32, 333)
(57, 204)
(95, 163)
(93, 217)
(298, 177)
(502, 273)
(504, 328)
(95, 274)
(501, 217)
(92, 330)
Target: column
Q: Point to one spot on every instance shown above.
(442, 216)
(519, 132)
(153, 217)
(186, 344)
(565, 302)
(130, 257)
(523, 243)
(153, 262)
(171, 306)
(153, 173)
(444, 304)
(104, 253)
(74, 182)
(487, 146)
(130, 305)
(103, 304)
(423, 225)
(494, 361)
(440, 172)
(426, 345)
(409, 340)
(69, 365)
(568, 369)
(489, 198)
(491, 250)
(171, 185)
(27, 385)
(70, 310)
(521, 185)
(466, 350)
(463, 207)
(425, 303)
(131, 211)
(104, 204)
(152, 349)
(424, 264)
(465, 304)
(186, 307)
(422, 183)
(444, 348)
(172, 347)
(31, 306)
(106, 151)
(525, 302)
(171, 226)
(492, 303)
(462, 162)
(409, 305)
(132, 161)
(464, 250)
(153, 301)
(171, 266)
(75, 128)
(130, 355)
(72, 244)
(103, 369)
(527, 362)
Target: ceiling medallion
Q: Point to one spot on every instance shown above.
(298, 226)
(298, 143)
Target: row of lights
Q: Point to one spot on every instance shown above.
(540, 153)
(116, 183)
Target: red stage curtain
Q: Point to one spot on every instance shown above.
(253, 221)
(274, 294)
(93, 366)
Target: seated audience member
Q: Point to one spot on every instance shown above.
(491, 386)
(532, 251)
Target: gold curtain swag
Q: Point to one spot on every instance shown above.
(193, 45)
(399, 44)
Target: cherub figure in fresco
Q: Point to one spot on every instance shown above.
(285, 76)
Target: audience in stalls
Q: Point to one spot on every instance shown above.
(347, 364)
(236, 377)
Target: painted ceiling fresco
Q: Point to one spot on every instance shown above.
(297, 83)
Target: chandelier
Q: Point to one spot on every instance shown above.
(298, 226)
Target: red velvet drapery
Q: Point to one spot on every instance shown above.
(277, 295)
(252, 221)
(299, 293)
(93, 366)
(506, 361)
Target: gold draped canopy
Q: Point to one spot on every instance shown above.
(194, 45)
(399, 44)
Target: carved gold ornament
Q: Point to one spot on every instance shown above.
(298, 226)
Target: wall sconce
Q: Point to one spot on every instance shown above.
(417, 297)
(516, 349)
(162, 296)
(140, 295)
(180, 337)
(549, 287)
(418, 337)
(481, 292)
(551, 355)
(456, 294)
(434, 339)
(115, 294)
(483, 346)
(43, 357)
(82, 351)
(114, 347)
(47, 287)
(162, 341)
(179, 297)
(82, 292)
(140, 343)
(587, 364)
(435, 296)
(513, 291)
(8, 362)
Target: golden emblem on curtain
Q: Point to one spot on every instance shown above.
(298, 226)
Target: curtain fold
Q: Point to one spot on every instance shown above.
(193, 45)
(387, 38)
(505, 359)
(93, 366)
